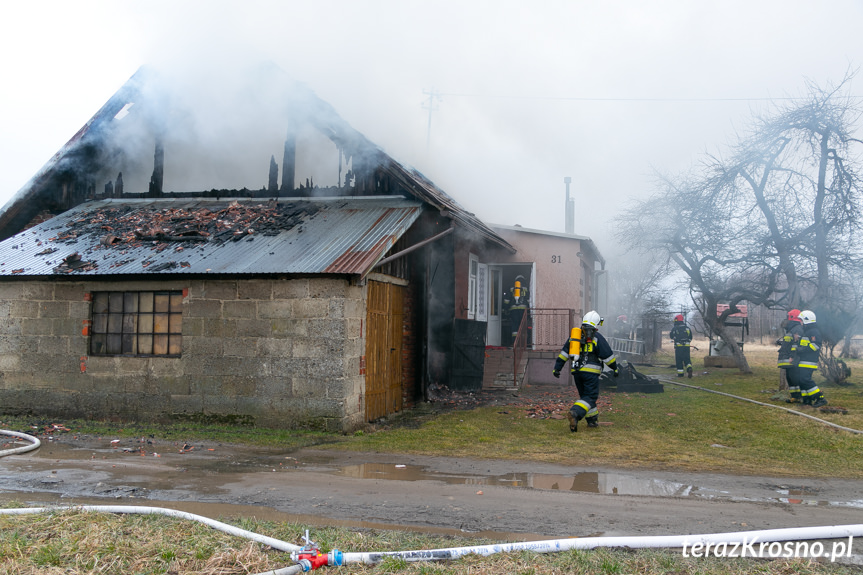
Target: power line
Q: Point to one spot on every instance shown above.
(588, 99)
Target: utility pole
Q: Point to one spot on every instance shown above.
(433, 96)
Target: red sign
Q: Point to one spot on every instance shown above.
(721, 307)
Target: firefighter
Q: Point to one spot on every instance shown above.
(516, 304)
(788, 346)
(587, 350)
(682, 337)
(621, 327)
(808, 351)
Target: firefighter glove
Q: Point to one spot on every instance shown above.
(555, 373)
(616, 371)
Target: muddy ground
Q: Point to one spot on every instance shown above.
(503, 500)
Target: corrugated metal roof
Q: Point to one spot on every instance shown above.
(346, 235)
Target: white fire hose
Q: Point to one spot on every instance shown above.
(309, 557)
(34, 442)
(792, 411)
(752, 539)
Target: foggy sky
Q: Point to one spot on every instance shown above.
(603, 92)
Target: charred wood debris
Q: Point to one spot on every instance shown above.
(128, 228)
(534, 401)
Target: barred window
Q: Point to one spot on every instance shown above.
(143, 323)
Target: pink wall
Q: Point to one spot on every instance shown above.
(560, 280)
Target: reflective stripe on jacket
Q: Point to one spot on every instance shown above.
(594, 353)
(809, 347)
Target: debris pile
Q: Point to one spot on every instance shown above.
(538, 401)
(630, 380)
(74, 263)
(128, 226)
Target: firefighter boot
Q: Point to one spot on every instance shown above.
(573, 418)
(592, 421)
(689, 372)
(795, 397)
(819, 401)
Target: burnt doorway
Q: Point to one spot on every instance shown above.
(525, 273)
(384, 349)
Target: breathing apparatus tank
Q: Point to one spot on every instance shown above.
(516, 292)
(575, 342)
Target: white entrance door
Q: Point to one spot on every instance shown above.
(495, 294)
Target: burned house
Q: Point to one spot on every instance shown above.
(180, 259)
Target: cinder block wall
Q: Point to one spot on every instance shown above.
(276, 352)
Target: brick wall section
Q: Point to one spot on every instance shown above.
(281, 353)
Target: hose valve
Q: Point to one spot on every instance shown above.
(309, 557)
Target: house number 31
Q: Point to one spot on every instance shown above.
(556, 259)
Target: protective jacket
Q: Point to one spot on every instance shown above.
(594, 352)
(809, 347)
(788, 344)
(681, 334)
(511, 302)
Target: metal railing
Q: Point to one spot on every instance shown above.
(551, 327)
(519, 346)
(544, 329)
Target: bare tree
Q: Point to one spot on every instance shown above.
(774, 223)
(641, 293)
(639, 283)
(687, 220)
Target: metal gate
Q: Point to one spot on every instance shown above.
(468, 355)
(384, 350)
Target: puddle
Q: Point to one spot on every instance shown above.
(133, 459)
(607, 483)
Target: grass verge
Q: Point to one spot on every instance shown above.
(79, 543)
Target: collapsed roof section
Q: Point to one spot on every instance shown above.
(164, 136)
(208, 236)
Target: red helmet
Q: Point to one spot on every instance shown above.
(678, 317)
(794, 315)
(621, 317)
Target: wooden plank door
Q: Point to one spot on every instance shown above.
(384, 350)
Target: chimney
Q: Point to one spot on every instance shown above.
(569, 210)
(273, 179)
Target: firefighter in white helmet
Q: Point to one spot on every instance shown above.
(789, 345)
(588, 350)
(808, 351)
